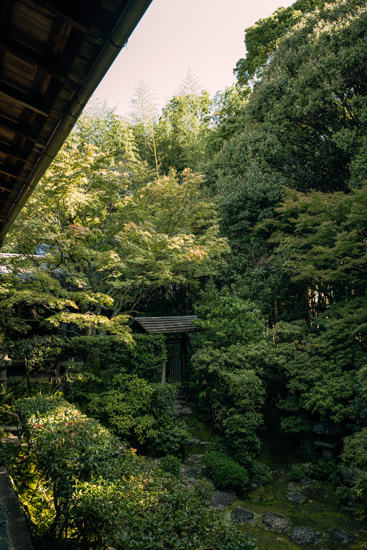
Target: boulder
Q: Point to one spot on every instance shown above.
(242, 515)
(338, 535)
(304, 536)
(275, 522)
(220, 499)
(296, 497)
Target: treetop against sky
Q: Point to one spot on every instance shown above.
(205, 36)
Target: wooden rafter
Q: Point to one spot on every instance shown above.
(3, 188)
(23, 99)
(16, 153)
(4, 169)
(49, 66)
(20, 130)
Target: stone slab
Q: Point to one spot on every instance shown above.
(17, 531)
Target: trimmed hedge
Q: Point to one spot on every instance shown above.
(225, 472)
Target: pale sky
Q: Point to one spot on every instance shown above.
(174, 36)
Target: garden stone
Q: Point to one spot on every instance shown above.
(295, 497)
(220, 499)
(294, 487)
(195, 458)
(184, 411)
(338, 535)
(194, 471)
(275, 522)
(306, 536)
(307, 481)
(242, 515)
(194, 441)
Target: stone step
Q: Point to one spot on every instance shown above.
(9, 428)
(11, 439)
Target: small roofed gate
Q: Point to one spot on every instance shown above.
(176, 329)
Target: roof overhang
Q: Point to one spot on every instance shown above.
(172, 324)
(53, 54)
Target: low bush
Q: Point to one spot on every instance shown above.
(141, 413)
(106, 497)
(297, 473)
(225, 472)
(259, 473)
(170, 464)
(148, 511)
(325, 470)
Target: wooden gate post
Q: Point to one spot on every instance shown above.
(164, 368)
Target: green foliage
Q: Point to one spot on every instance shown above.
(225, 472)
(259, 473)
(147, 511)
(113, 231)
(67, 443)
(170, 464)
(224, 318)
(297, 473)
(33, 351)
(182, 130)
(227, 386)
(141, 413)
(263, 38)
(103, 496)
(144, 357)
(227, 118)
(354, 451)
(322, 469)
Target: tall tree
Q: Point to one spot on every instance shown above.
(112, 227)
(183, 127)
(263, 37)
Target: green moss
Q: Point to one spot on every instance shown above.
(262, 494)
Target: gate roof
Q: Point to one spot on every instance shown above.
(166, 325)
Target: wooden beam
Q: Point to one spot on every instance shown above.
(70, 11)
(10, 124)
(8, 172)
(47, 65)
(17, 153)
(23, 99)
(4, 189)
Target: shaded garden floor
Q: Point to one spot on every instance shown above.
(320, 509)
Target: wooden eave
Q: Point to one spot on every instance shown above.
(166, 325)
(53, 54)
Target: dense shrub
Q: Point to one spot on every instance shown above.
(142, 413)
(259, 473)
(107, 497)
(66, 443)
(233, 395)
(225, 472)
(355, 454)
(325, 469)
(170, 464)
(144, 358)
(150, 512)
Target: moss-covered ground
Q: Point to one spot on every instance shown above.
(320, 510)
